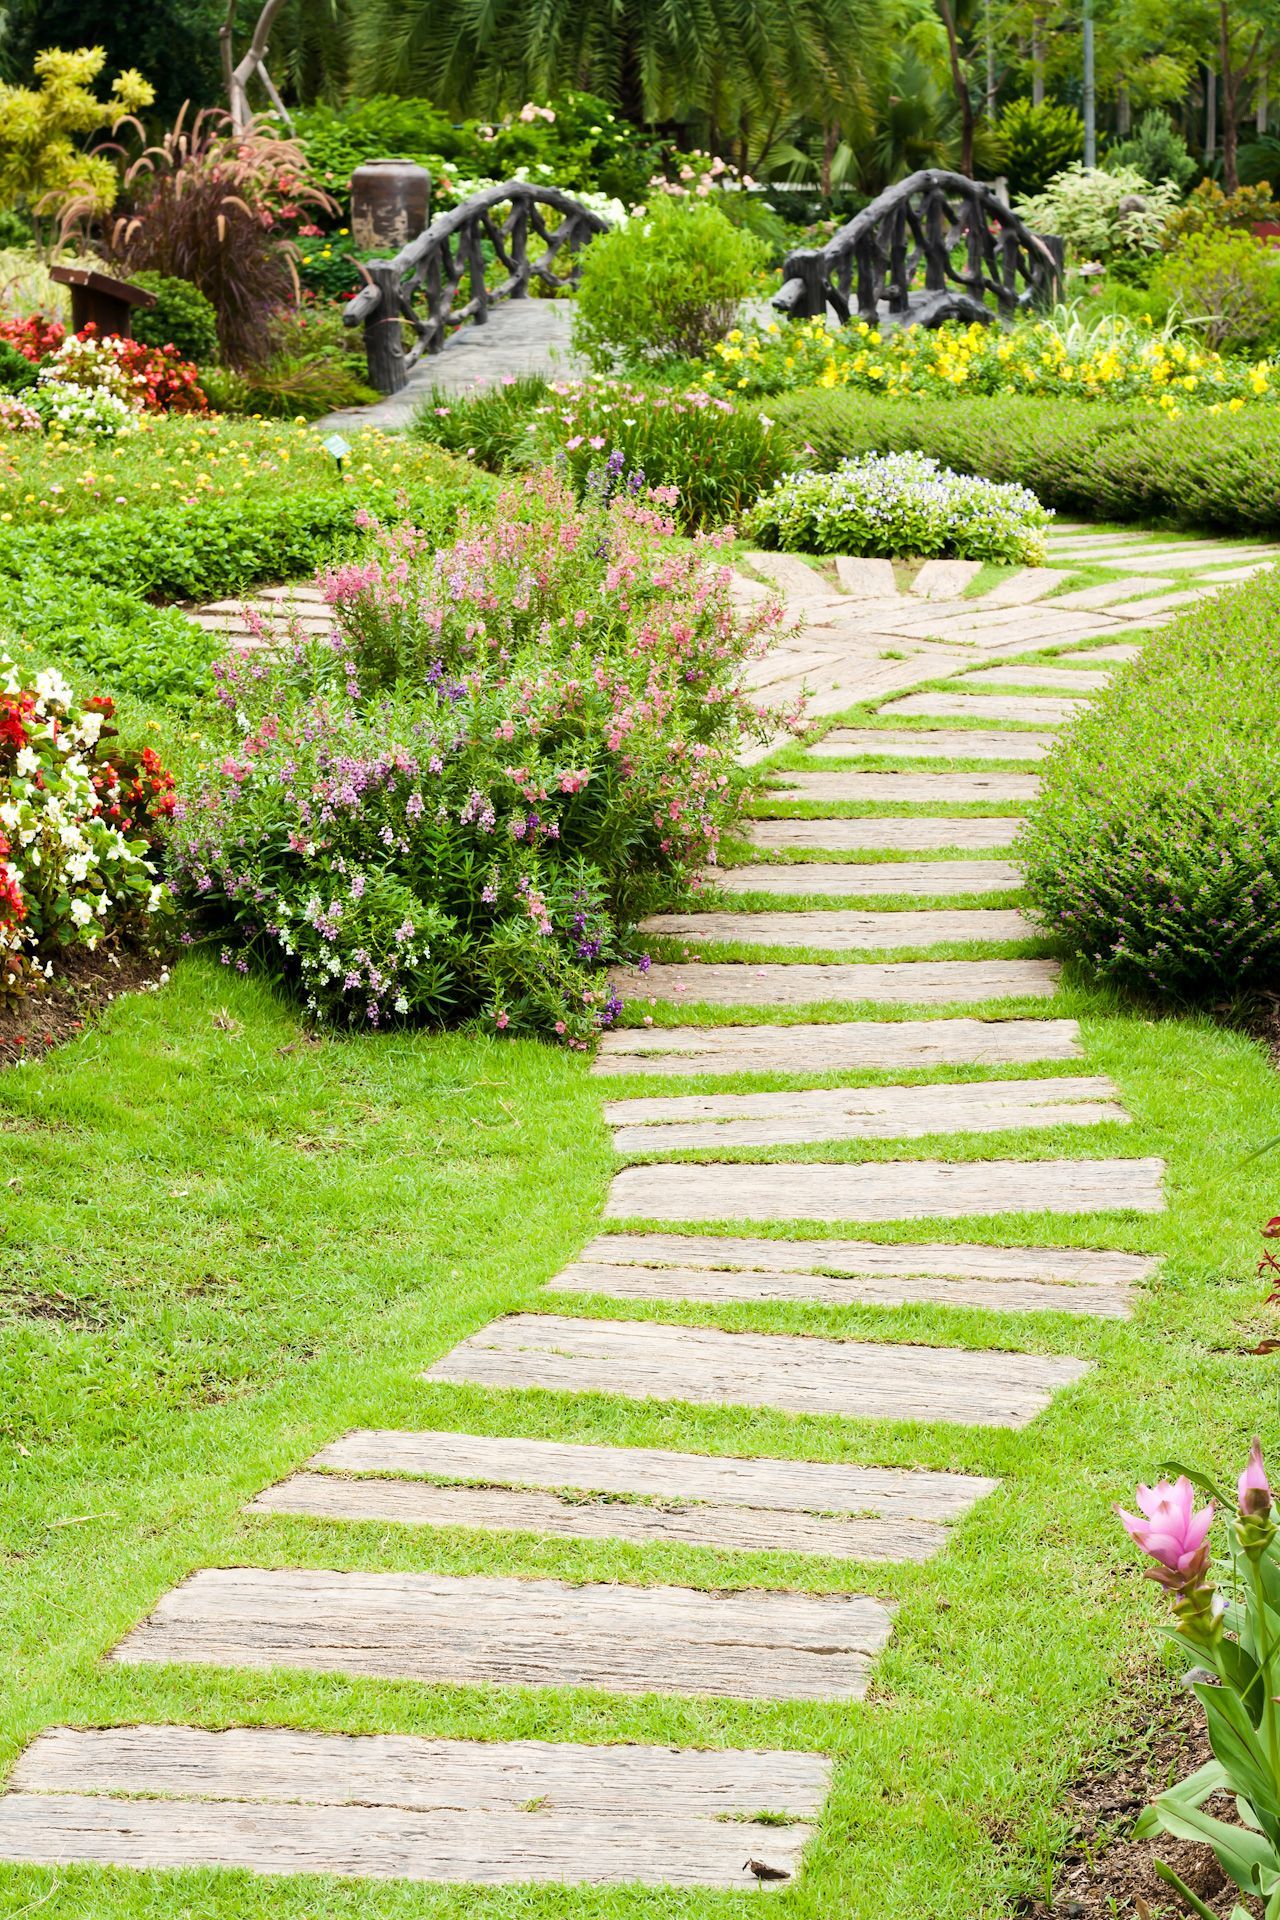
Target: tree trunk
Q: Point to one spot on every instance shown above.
(988, 35)
(1123, 116)
(1037, 61)
(961, 85)
(830, 136)
(1210, 114)
(1262, 107)
(237, 74)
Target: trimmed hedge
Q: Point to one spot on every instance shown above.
(1081, 457)
(1154, 847)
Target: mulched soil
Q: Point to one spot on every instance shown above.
(1105, 1874)
(60, 1009)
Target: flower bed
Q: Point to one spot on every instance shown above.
(1109, 360)
(901, 504)
(76, 826)
(512, 747)
(1153, 850)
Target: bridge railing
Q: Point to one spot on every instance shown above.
(913, 231)
(422, 284)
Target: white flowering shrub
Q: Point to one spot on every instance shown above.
(76, 821)
(901, 504)
(84, 412)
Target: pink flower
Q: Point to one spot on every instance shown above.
(1176, 1537)
(1252, 1487)
(501, 1021)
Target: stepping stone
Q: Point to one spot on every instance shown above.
(1031, 583)
(488, 1813)
(802, 584)
(1113, 591)
(1162, 603)
(910, 788)
(445, 1631)
(1119, 656)
(883, 1189)
(856, 879)
(802, 1117)
(744, 591)
(1062, 679)
(853, 1273)
(924, 983)
(841, 929)
(985, 706)
(922, 833)
(868, 579)
(769, 1506)
(945, 579)
(954, 744)
(844, 1379)
(859, 1046)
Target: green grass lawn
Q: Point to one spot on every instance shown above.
(225, 1243)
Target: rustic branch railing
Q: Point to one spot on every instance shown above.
(872, 263)
(433, 266)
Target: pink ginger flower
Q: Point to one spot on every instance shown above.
(1252, 1488)
(1173, 1533)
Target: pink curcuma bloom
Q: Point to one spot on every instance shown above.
(1173, 1533)
(1253, 1489)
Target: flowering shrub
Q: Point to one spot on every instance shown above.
(1100, 214)
(1227, 1620)
(84, 411)
(1153, 849)
(75, 826)
(901, 503)
(719, 457)
(1110, 359)
(146, 379)
(454, 806)
(34, 335)
(16, 416)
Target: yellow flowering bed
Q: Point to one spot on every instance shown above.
(174, 461)
(1112, 361)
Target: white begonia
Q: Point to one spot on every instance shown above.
(28, 762)
(81, 912)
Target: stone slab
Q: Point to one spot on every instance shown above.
(923, 833)
(1112, 591)
(846, 1273)
(967, 743)
(843, 929)
(858, 879)
(1060, 679)
(945, 579)
(978, 706)
(847, 1379)
(1119, 656)
(274, 1800)
(945, 789)
(1023, 587)
(884, 1189)
(804, 1115)
(867, 579)
(725, 1480)
(858, 1046)
(885, 983)
(481, 1631)
(802, 584)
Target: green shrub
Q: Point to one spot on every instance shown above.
(1156, 150)
(1199, 469)
(16, 371)
(668, 286)
(1210, 210)
(1153, 850)
(717, 456)
(1227, 286)
(182, 317)
(1038, 142)
(1101, 215)
(900, 504)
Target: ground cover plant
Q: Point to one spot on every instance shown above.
(896, 504)
(1073, 354)
(516, 743)
(1093, 459)
(1151, 850)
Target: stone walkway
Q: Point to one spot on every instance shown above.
(276, 1800)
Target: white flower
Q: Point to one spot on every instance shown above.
(81, 912)
(28, 762)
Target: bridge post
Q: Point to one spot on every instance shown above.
(804, 288)
(383, 335)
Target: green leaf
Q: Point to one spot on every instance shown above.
(1244, 1856)
(1180, 1886)
(1191, 1792)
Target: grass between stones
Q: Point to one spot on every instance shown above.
(242, 1243)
